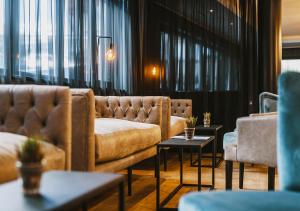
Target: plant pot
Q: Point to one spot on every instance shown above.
(189, 133)
(31, 174)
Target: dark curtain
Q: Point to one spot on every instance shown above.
(206, 50)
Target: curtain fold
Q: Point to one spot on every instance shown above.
(55, 42)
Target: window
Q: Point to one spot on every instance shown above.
(195, 66)
(290, 65)
(36, 37)
(1, 38)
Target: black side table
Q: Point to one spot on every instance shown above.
(62, 190)
(180, 144)
(213, 130)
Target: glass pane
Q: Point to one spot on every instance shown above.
(1, 37)
(290, 65)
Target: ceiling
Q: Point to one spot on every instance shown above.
(291, 21)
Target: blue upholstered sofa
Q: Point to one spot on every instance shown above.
(288, 150)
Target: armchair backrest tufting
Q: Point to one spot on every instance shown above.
(41, 111)
(138, 109)
(181, 107)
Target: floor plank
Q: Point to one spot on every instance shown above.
(144, 192)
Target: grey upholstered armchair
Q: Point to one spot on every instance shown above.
(253, 141)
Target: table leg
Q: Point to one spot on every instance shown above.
(157, 172)
(181, 165)
(199, 168)
(121, 197)
(214, 162)
(191, 156)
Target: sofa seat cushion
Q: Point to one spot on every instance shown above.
(116, 138)
(234, 201)
(177, 125)
(54, 157)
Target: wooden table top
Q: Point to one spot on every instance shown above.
(60, 190)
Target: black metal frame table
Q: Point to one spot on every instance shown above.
(214, 130)
(62, 190)
(181, 144)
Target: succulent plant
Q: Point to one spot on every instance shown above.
(30, 151)
(191, 121)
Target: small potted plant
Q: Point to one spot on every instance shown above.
(190, 127)
(30, 165)
(206, 119)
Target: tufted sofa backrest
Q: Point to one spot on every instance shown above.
(41, 111)
(138, 109)
(181, 107)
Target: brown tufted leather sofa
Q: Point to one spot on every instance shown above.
(180, 109)
(31, 110)
(124, 133)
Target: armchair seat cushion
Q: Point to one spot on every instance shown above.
(177, 125)
(9, 142)
(117, 138)
(234, 201)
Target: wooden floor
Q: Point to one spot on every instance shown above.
(144, 195)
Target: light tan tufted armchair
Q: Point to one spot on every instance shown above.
(31, 110)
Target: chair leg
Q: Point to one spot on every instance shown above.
(241, 178)
(165, 154)
(271, 178)
(228, 175)
(129, 178)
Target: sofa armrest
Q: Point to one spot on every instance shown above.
(256, 140)
(83, 138)
(166, 118)
(181, 107)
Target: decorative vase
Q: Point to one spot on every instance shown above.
(206, 119)
(31, 174)
(189, 133)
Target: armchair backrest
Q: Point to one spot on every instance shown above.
(289, 131)
(181, 107)
(41, 111)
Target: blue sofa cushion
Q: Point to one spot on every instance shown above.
(233, 201)
(288, 146)
(230, 139)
